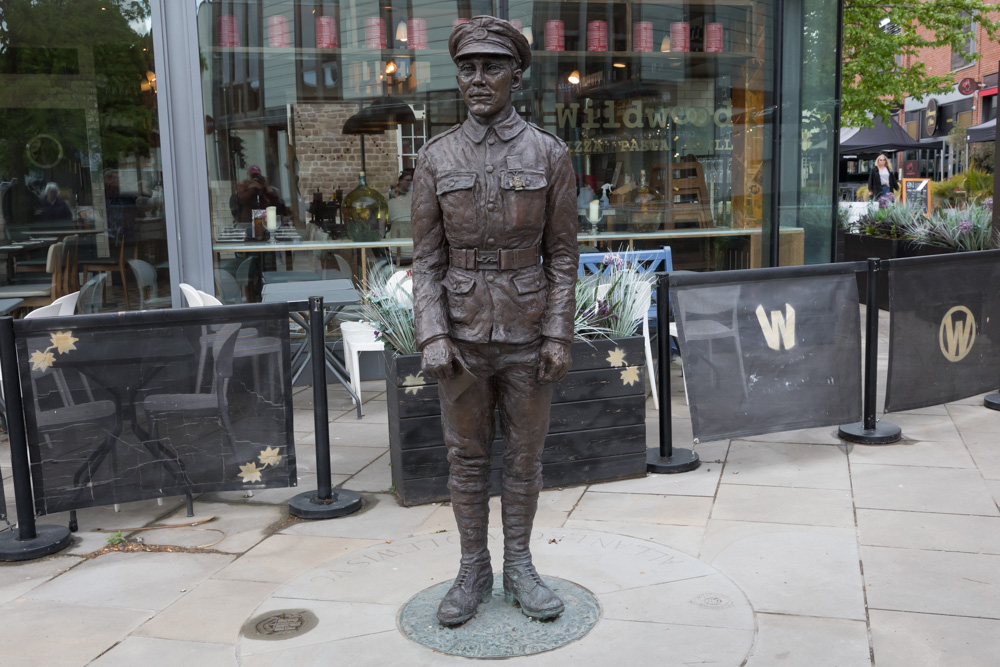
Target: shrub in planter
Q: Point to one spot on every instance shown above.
(597, 430)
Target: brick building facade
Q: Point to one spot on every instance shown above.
(957, 107)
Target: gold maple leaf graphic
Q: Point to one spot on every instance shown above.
(63, 341)
(41, 361)
(269, 456)
(413, 383)
(616, 357)
(630, 375)
(250, 472)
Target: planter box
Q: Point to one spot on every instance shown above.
(597, 428)
(858, 247)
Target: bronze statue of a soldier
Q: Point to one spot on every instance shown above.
(494, 268)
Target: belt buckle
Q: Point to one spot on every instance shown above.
(487, 259)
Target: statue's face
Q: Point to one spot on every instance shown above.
(487, 82)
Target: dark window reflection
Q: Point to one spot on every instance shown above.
(79, 142)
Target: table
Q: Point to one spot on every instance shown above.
(221, 247)
(792, 240)
(11, 249)
(7, 305)
(123, 367)
(337, 295)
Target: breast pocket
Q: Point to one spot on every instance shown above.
(524, 193)
(455, 192)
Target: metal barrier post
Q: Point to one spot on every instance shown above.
(869, 431)
(324, 503)
(31, 540)
(665, 458)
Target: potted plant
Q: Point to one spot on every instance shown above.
(957, 229)
(597, 430)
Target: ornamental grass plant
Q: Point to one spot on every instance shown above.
(609, 304)
(967, 228)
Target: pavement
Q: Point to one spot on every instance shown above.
(789, 549)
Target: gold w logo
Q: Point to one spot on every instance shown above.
(957, 335)
(779, 329)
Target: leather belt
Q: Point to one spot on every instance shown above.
(474, 259)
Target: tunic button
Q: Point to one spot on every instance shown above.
(490, 278)
(491, 141)
(491, 207)
(489, 169)
(491, 241)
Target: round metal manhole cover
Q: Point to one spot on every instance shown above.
(280, 624)
(499, 630)
(712, 601)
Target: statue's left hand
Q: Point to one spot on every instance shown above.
(553, 361)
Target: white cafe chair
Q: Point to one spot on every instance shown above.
(358, 337)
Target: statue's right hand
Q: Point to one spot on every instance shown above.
(440, 359)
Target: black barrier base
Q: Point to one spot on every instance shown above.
(48, 540)
(305, 505)
(680, 460)
(883, 433)
(992, 401)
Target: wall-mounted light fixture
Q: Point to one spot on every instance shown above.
(574, 77)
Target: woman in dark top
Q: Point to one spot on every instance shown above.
(882, 179)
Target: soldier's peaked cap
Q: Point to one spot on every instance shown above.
(488, 34)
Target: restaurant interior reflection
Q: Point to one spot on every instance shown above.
(80, 156)
(315, 112)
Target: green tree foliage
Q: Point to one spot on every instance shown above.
(873, 83)
(60, 59)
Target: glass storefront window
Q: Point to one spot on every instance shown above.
(79, 141)
(668, 108)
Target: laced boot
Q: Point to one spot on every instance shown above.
(474, 583)
(521, 582)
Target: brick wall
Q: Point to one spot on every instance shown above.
(938, 62)
(329, 160)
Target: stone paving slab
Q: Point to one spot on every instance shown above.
(148, 581)
(16, 579)
(775, 504)
(41, 633)
(947, 454)
(922, 489)
(791, 569)
(985, 451)
(787, 464)
(381, 518)
(920, 530)
(597, 505)
(805, 640)
(212, 612)
(150, 652)
(282, 557)
(932, 582)
(926, 640)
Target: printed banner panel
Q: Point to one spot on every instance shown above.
(142, 405)
(770, 355)
(945, 330)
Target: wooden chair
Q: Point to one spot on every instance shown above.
(116, 262)
(688, 194)
(685, 191)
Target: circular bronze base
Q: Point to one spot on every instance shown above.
(499, 630)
